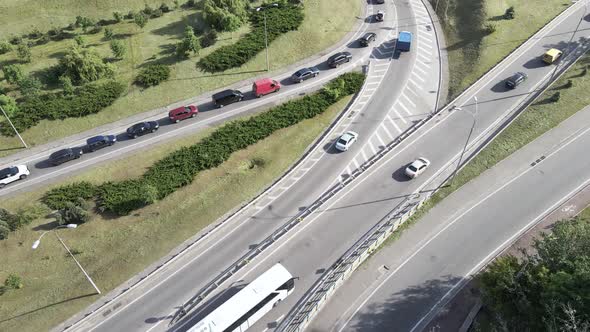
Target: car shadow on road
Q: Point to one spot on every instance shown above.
(330, 148)
(203, 309)
(500, 87)
(534, 63)
(399, 174)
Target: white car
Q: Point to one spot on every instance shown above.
(13, 173)
(417, 167)
(346, 140)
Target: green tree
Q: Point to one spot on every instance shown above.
(108, 33)
(72, 214)
(4, 230)
(153, 75)
(29, 86)
(13, 281)
(189, 43)
(80, 41)
(84, 23)
(24, 52)
(13, 73)
(66, 84)
(542, 291)
(5, 47)
(84, 65)
(8, 105)
(118, 16)
(225, 15)
(118, 49)
(140, 20)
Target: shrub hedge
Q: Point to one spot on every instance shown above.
(279, 20)
(152, 75)
(58, 198)
(88, 99)
(180, 167)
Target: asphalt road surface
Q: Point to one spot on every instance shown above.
(405, 285)
(323, 237)
(326, 235)
(42, 173)
(150, 306)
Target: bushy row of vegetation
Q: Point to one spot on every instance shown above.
(279, 20)
(10, 222)
(85, 100)
(179, 168)
(547, 290)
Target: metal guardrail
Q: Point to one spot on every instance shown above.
(305, 310)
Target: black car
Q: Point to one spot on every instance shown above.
(379, 2)
(142, 128)
(367, 38)
(304, 73)
(515, 80)
(62, 156)
(99, 142)
(227, 97)
(339, 58)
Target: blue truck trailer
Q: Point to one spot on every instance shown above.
(404, 41)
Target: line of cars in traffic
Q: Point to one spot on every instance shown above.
(260, 88)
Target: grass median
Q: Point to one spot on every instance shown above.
(325, 23)
(471, 50)
(112, 251)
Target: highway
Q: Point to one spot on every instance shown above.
(376, 111)
(42, 173)
(322, 238)
(464, 232)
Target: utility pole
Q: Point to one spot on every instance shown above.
(466, 142)
(14, 128)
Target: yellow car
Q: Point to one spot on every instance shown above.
(551, 56)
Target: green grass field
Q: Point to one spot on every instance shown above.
(326, 22)
(113, 250)
(471, 52)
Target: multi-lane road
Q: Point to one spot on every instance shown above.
(393, 87)
(387, 105)
(42, 173)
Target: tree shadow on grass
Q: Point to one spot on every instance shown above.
(404, 308)
(46, 307)
(176, 28)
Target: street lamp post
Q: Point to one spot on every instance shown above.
(266, 32)
(474, 115)
(36, 245)
(14, 128)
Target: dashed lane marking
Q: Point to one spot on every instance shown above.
(393, 123)
(386, 131)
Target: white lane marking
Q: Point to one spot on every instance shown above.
(379, 139)
(400, 117)
(424, 57)
(384, 127)
(404, 107)
(372, 147)
(393, 123)
(418, 68)
(356, 164)
(414, 82)
(414, 75)
(437, 234)
(408, 100)
(364, 156)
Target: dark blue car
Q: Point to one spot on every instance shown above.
(305, 73)
(99, 142)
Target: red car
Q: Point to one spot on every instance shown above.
(265, 86)
(182, 113)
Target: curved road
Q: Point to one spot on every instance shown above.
(42, 173)
(150, 305)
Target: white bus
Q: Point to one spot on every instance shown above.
(251, 303)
